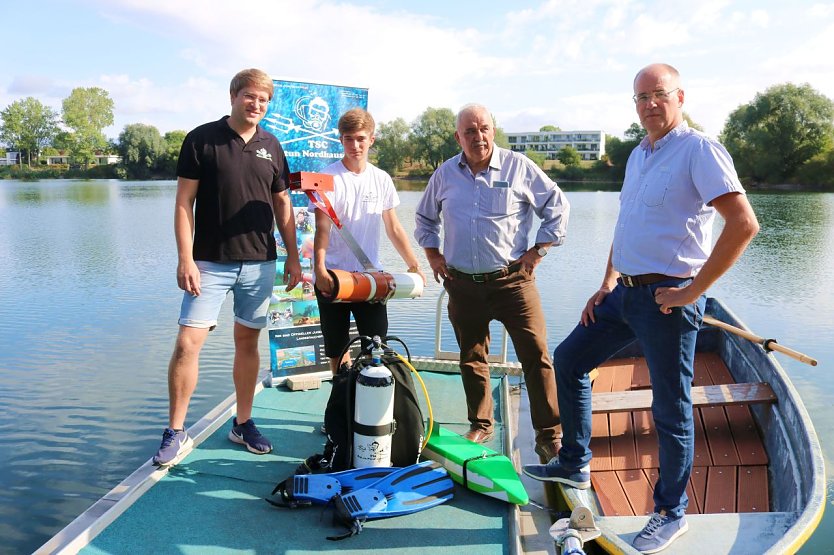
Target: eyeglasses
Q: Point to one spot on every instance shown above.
(657, 96)
(255, 98)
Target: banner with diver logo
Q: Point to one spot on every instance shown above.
(304, 117)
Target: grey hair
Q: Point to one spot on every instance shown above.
(471, 107)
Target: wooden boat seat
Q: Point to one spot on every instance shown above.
(730, 467)
(702, 396)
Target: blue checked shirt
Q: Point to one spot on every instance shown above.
(487, 219)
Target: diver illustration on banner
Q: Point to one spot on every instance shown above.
(303, 116)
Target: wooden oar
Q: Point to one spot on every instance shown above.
(768, 344)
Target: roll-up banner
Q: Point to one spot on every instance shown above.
(304, 117)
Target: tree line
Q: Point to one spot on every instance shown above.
(784, 135)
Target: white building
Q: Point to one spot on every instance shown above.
(10, 159)
(101, 159)
(589, 144)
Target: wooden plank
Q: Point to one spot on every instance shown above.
(698, 484)
(722, 448)
(637, 490)
(612, 499)
(645, 439)
(721, 490)
(640, 375)
(749, 445)
(701, 373)
(621, 428)
(600, 444)
(708, 395)
(702, 455)
(718, 371)
(753, 494)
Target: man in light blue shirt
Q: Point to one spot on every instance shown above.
(661, 264)
(485, 199)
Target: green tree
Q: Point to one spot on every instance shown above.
(689, 121)
(635, 132)
(393, 145)
(28, 126)
(569, 156)
(168, 161)
(537, 157)
(501, 138)
(434, 136)
(141, 147)
(771, 137)
(87, 111)
(549, 128)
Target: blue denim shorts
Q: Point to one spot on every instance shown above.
(250, 283)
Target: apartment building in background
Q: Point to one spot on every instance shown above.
(589, 144)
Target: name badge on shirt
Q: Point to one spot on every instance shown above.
(501, 184)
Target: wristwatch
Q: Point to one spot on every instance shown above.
(541, 250)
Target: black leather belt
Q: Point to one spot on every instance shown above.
(642, 279)
(489, 276)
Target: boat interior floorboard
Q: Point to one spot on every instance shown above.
(730, 468)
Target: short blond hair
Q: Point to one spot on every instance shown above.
(356, 119)
(252, 78)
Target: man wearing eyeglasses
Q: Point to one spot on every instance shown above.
(661, 263)
(231, 188)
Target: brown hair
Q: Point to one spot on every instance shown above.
(356, 119)
(251, 78)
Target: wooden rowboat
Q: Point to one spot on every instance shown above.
(758, 485)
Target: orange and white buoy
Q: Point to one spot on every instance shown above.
(353, 287)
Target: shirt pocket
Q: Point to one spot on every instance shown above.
(654, 192)
(499, 199)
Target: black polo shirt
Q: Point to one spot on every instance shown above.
(234, 216)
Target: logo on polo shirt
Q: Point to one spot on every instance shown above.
(262, 153)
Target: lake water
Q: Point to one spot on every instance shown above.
(89, 303)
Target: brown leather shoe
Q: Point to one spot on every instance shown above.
(477, 435)
(547, 451)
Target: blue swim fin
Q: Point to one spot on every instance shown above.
(306, 489)
(407, 490)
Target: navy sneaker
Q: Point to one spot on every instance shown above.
(553, 471)
(659, 532)
(175, 445)
(247, 434)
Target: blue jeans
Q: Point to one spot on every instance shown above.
(668, 343)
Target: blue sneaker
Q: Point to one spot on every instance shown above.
(247, 434)
(659, 532)
(175, 445)
(555, 472)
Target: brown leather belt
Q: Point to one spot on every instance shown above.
(489, 276)
(643, 279)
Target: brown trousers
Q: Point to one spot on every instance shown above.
(514, 301)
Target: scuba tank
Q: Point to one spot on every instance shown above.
(373, 416)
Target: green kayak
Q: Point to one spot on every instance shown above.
(486, 471)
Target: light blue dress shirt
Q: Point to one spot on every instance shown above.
(665, 221)
(487, 218)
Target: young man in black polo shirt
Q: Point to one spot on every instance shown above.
(232, 182)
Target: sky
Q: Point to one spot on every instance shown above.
(168, 63)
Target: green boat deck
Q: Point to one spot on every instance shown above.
(213, 501)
